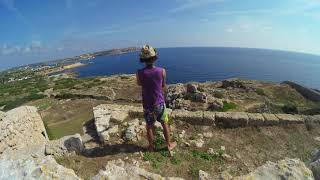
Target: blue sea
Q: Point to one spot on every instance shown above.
(216, 63)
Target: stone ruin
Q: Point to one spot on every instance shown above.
(27, 153)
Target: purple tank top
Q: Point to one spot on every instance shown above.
(151, 81)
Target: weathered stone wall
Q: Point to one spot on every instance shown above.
(241, 119)
(21, 128)
(306, 92)
(105, 113)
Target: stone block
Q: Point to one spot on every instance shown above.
(231, 119)
(289, 119)
(255, 119)
(209, 118)
(270, 119)
(191, 117)
(65, 145)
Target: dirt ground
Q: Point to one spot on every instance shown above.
(245, 149)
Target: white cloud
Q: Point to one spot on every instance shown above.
(243, 12)
(34, 46)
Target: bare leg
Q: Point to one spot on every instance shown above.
(166, 132)
(150, 135)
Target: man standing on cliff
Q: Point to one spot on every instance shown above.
(152, 79)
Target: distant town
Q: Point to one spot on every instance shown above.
(57, 68)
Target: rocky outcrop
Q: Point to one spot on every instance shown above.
(108, 115)
(65, 145)
(290, 169)
(306, 92)
(315, 164)
(21, 128)
(131, 133)
(175, 93)
(293, 169)
(42, 168)
(120, 170)
(237, 83)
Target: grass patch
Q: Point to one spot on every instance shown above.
(159, 141)
(157, 159)
(48, 130)
(260, 92)
(228, 106)
(207, 156)
(20, 101)
(218, 94)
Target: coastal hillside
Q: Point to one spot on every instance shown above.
(94, 128)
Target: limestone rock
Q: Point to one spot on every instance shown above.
(270, 119)
(65, 145)
(204, 176)
(106, 115)
(315, 164)
(232, 119)
(289, 119)
(105, 135)
(292, 169)
(192, 88)
(200, 97)
(181, 104)
(312, 119)
(42, 168)
(174, 92)
(182, 134)
(102, 117)
(214, 103)
(21, 128)
(233, 83)
(315, 168)
(198, 142)
(130, 172)
(208, 134)
(188, 116)
(256, 119)
(209, 118)
(132, 130)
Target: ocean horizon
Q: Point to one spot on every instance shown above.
(185, 64)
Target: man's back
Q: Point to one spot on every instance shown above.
(151, 79)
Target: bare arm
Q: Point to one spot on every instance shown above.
(138, 80)
(164, 74)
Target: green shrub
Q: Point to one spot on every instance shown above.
(20, 101)
(207, 156)
(290, 109)
(260, 92)
(227, 106)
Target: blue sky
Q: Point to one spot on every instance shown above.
(39, 30)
